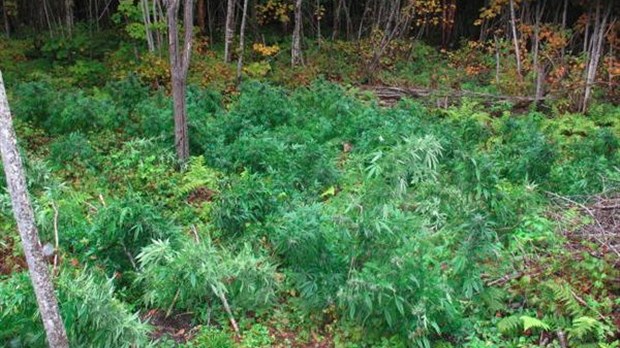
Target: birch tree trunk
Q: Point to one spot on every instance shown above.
(595, 51)
(242, 40)
(146, 18)
(296, 56)
(24, 216)
(230, 30)
(179, 64)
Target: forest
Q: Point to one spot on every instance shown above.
(310, 173)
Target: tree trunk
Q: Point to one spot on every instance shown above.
(242, 40)
(24, 216)
(69, 15)
(296, 56)
(201, 15)
(594, 54)
(515, 38)
(336, 28)
(179, 63)
(230, 30)
(5, 19)
(539, 70)
(146, 18)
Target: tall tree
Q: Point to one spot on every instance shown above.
(230, 29)
(179, 65)
(296, 56)
(24, 216)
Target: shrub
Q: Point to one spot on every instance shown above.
(91, 313)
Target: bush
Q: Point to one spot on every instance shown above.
(92, 316)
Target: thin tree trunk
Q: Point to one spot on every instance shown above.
(497, 59)
(296, 56)
(318, 22)
(69, 15)
(242, 40)
(336, 20)
(564, 14)
(5, 18)
(47, 17)
(230, 30)
(146, 18)
(537, 68)
(179, 63)
(598, 36)
(515, 38)
(209, 22)
(24, 216)
(200, 16)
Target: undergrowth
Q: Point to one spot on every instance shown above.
(378, 226)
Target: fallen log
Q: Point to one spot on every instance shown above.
(388, 93)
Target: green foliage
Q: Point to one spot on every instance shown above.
(209, 337)
(196, 274)
(92, 315)
(382, 221)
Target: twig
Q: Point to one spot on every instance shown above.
(585, 304)
(589, 211)
(102, 200)
(222, 297)
(55, 267)
(129, 256)
(562, 339)
(195, 233)
(174, 300)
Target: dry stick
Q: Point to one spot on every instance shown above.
(222, 297)
(195, 233)
(217, 293)
(129, 256)
(562, 339)
(585, 304)
(54, 269)
(587, 210)
(174, 300)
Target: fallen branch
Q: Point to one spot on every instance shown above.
(387, 92)
(56, 251)
(222, 297)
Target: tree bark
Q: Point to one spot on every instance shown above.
(179, 63)
(5, 19)
(595, 51)
(24, 216)
(146, 18)
(515, 38)
(230, 30)
(296, 56)
(69, 15)
(201, 15)
(242, 40)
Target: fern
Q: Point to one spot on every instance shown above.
(563, 294)
(583, 327)
(515, 323)
(509, 325)
(198, 175)
(533, 323)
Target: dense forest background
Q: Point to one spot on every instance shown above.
(311, 173)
